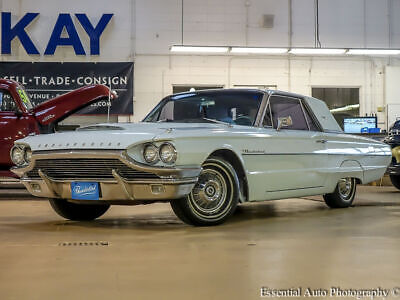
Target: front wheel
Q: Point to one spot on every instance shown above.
(214, 197)
(395, 179)
(343, 195)
(78, 212)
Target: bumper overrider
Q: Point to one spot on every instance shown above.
(165, 183)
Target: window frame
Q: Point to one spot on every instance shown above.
(313, 118)
(16, 107)
(156, 111)
(304, 108)
(270, 116)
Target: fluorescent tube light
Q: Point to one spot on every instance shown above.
(345, 108)
(374, 51)
(317, 51)
(258, 50)
(199, 49)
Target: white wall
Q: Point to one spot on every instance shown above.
(343, 23)
(155, 76)
(392, 93)
(143, 31)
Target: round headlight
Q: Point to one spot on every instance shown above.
(28, 155)
(168, 153)
(150, 154)
(18, 155)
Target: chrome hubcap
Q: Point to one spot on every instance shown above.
(210, 191)
(345, 187)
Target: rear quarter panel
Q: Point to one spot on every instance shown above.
(355, 156)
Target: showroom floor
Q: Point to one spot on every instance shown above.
(144, 252)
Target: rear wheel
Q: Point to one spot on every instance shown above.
(343, 195)
(395, 179)
(78, 212)
(214, 197)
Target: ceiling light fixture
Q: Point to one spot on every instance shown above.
(317, 51)
(373, 52)
(345, 108)
(258, 50)
(272, 50)
(199, 49)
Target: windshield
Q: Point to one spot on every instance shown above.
(233, 107)
(25, 98)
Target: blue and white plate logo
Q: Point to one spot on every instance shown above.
(85, 190)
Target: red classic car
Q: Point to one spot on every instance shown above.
(18, 117)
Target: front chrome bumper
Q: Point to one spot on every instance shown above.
(173, 183)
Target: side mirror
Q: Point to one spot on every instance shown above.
(284, 122)
(18, 113)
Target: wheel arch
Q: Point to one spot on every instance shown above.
(354, 168)
(238, 164)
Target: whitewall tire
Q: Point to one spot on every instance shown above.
(214, 197)
(343, 195)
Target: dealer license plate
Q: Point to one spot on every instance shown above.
(85, 190)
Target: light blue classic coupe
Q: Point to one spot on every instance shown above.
(204, 152)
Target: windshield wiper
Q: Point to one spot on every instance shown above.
(194, 121)
(217, 122)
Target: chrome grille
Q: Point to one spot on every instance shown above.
(394, 132)
(86, 168)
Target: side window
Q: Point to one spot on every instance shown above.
(282, 106)
(7, 102)
(267, 122)
(167, 112)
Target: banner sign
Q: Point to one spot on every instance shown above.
(46, 80)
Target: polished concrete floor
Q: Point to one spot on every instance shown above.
(145, 252)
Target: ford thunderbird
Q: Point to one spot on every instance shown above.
(204, 152)
(19, 118)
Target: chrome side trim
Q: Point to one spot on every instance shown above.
(318, 153)
(304, 188)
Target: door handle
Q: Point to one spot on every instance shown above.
(321, 141)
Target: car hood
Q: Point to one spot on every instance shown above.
(57, 109)
(115, 136)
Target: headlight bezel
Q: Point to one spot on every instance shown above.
(158, 158)
(174, 153)
(24, 159)
(28, 155)
(155, 149)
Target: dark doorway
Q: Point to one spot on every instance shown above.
(342, 102)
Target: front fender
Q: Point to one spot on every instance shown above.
(196, 151)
